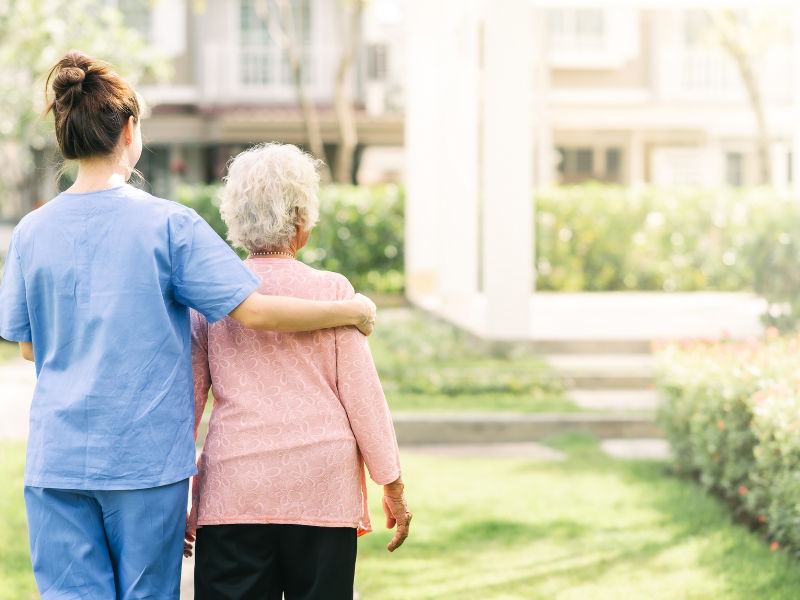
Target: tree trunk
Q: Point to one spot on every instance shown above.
(345, 114)
(726, 23)
(284, 35)
(313, 132)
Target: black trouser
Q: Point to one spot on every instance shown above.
(261, 562)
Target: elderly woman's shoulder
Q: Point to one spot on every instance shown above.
(343, 287)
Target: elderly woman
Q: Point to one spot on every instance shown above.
(280, 496)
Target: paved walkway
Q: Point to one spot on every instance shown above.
(17, 382)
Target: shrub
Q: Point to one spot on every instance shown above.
(359, 234)
(732, 414)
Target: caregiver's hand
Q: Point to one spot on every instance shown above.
(397, 513)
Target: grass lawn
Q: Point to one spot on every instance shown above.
(8, 350)
(16, 577)
(588, 528)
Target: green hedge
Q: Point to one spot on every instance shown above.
(359, 234)
(731, 412)
(597, 237)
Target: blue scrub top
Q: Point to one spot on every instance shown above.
(102, 284)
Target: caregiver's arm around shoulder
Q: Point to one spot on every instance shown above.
(280, 313)
(26, 349)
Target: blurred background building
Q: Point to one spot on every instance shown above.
(471, 104)
(233, 86)
(628, 95)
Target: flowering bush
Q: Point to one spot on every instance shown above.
(359, 234)
(732, 414)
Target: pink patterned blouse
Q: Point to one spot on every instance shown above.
(295, 416)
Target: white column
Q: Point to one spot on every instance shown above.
(458, 146)
(796, 103)
(780, 165)
(508, 168)
(545, 153)
(423, 149)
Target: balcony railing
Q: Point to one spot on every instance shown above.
(235, 74)
(711, 74)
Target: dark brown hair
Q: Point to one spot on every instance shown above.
(91, 104)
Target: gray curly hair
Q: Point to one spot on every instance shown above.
(270, 190)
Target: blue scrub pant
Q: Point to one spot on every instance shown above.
(103, 545)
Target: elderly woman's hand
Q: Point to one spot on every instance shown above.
(397, 513)
(371, 314)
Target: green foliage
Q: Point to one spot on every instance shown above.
(606, 238)
(205, 200)
(36, 33)
(359, 233)
(16, 574)
(732, 414)
(420, 355)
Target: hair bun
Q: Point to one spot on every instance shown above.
(68, 80)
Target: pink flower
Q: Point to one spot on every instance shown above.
(762, 518)
(720, 425)
(774, 546)
(743, 490)
(772, 332)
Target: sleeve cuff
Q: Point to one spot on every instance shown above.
(222, 310)
(15, 335)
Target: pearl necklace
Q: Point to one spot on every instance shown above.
(252, 254)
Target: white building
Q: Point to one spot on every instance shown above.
(504, 95)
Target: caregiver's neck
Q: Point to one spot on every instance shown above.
(101, 174)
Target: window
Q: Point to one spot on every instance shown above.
(254, 15)
(589, 27)
(576, 28)
(612, 164)
(253, 24)
(261, 62)
(377, 62)
(136, 15)
(697, 27)
(584, 162)
(575, 164)
(733, 168)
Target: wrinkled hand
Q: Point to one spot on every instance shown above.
(369, 325)
(188, 538)
(397, 513)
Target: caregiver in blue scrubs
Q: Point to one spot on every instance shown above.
(97, 289)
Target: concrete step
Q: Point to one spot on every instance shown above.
(603, 371)
(615, 399)
(589, 346)
(487, 428)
